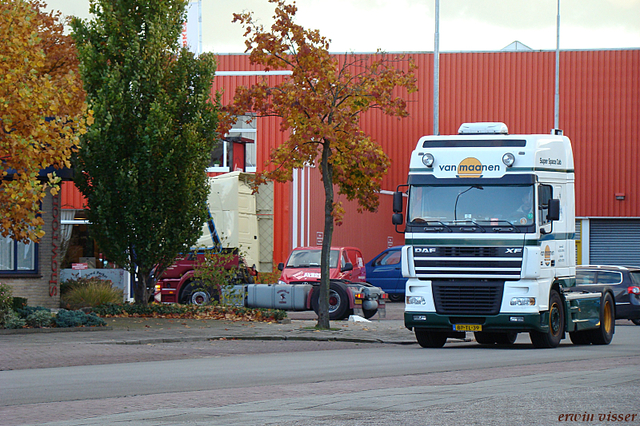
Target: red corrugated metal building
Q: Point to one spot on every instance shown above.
(599, 111)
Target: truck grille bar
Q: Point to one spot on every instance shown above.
(467, 297)
(468, 262)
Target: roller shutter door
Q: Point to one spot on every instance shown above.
(615, 242)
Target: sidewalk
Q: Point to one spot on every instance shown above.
(127, 340)
(158, 330)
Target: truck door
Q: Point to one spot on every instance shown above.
(358, 273)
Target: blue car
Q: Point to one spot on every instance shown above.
(385, 271)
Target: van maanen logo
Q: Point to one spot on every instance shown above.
(470, 167)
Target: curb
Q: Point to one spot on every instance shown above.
(7, 331)
(269, 337)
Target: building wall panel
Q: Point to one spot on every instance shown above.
(599, 112)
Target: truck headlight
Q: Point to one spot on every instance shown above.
(416, 300)
(508, 159)
(523, 301)
(427, 160)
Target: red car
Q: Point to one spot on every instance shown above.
(303, 265)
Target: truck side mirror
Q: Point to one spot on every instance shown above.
(280, 266)
(554, 210)
(397, 219)
(397, 202)
(347, 267)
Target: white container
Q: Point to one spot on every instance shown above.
(278, 296)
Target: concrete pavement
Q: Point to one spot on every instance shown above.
(144, 339)
(156, 330)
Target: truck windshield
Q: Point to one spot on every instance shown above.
(311, 259)
(488, 205)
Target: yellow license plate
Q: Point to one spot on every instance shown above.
(467, 327)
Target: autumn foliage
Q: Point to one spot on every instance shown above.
(41, 110)
(320, 106)
(321, 103)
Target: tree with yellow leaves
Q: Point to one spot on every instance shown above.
(41, 110)
(320, 105)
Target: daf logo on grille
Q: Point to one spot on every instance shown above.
(513, 250)
(425, 250)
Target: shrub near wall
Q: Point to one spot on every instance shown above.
(88, 292)
(6, 301)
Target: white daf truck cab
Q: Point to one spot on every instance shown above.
(489, 234)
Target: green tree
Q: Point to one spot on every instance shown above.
(41, 110)
(320, 105)
(141, 165)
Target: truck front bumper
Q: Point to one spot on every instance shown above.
(498, 323)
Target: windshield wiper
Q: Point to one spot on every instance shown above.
(431, 225)
(501, 225)
(468, 225)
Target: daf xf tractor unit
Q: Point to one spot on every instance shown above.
(490, 241)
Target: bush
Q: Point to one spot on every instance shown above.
(113, 309)
(191, 311)
(218, 271)
(19, 303)
(67, 318)
(28, 310)
(13, 321)
(268, 277)
(6, 301)
(40, 318)
(88, 292)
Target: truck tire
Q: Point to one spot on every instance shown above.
(194, 293)
(397, 297)
(492, 338)
(508, 338)
(430, 339)
(604, 333)
(636, 321)
(485, 338)
(551, 339)
(338, 301)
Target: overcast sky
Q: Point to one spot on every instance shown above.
(408, 25)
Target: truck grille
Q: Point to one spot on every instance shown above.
(467, 297)
(497, 262)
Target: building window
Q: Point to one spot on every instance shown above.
(237, 150)
(16, 257)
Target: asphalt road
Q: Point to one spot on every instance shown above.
(462, 383)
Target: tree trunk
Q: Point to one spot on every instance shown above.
(140, 292)
(327, 179)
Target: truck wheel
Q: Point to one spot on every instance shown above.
(430, 339)
(397, 297)
(552, 338)
(636, 321)
(194, 293)
(508, 338)
(604, 333)
(580, 338)
(485, 338)
(338, 301)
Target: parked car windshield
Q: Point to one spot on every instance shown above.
(311, 259)
(483, 204)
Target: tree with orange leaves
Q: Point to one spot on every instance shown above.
(320, 105)
(41, 110)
